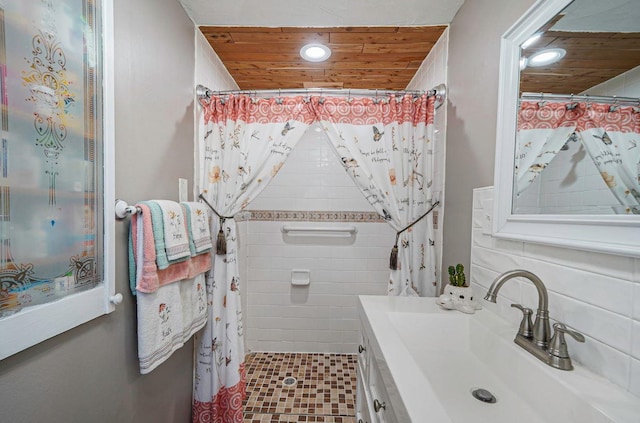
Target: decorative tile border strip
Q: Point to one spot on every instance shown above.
(312, 216)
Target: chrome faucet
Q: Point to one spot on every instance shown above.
(535, 337)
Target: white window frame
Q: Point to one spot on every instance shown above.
(33, 325)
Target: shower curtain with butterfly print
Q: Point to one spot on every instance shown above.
(611, 135)
(242, 144)
(386, 146)
(543, 129)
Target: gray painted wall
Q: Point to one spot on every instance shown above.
(90, 374)
(474, 55)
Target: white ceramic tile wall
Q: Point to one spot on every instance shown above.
(573, 185)
(625, 85)
(597, 294)
(312, 178)
(320, 317)
(209, 70)
(243, 230)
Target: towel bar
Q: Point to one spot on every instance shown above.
(122, 209)
(116, 299)
(319, 230)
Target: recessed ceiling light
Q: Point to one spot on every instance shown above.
(546, 57)
(531, 40)
(315, 52)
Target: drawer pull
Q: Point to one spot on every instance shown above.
(360, 421)
(377, 405)
(361, 349)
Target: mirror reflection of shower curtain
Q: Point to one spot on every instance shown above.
(543, 128)
(611, 136)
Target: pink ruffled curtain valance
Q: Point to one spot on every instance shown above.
(370, 111)
(356, 111)
(581, 116)
(257, 110)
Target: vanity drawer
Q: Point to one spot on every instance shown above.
(380, 405)
(363, 357)
(364, 404)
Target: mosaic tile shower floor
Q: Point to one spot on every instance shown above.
(325, 391)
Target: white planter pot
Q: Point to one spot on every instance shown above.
(459, 298)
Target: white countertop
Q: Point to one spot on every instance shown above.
(430, 359)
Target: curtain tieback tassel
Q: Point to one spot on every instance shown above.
(393, 259)
(221, 242)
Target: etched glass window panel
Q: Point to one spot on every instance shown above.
(50, 176)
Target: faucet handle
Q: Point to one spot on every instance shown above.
(526, 325)
(558, 345)
(574, 333)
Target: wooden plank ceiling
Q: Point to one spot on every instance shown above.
(592, 58)
(388, 57)
(362, 57)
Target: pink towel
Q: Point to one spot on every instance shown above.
(199, 264)
(153, 278)
(147, 276)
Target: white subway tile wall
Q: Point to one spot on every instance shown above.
(320, 317)
(209, 70)
(312, 178)
(624, 85)
(433, 70)
(572, 184)
(597, 294)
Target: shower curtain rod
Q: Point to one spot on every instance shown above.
(588, 98)
(204, 93)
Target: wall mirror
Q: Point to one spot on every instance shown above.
(568, 142)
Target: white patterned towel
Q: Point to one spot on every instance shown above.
(167, 319)
(160, 325)
(198, 224)
(176, 241)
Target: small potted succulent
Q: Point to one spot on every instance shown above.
(456, 275)
(457, 295)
